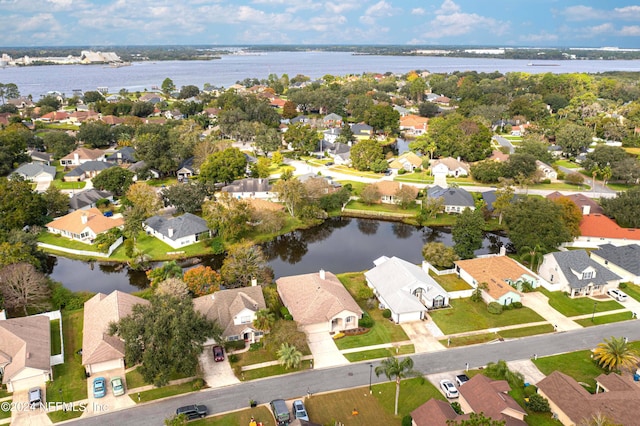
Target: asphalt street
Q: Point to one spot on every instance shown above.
(236, 397)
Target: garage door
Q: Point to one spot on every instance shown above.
(28, 383)
(105, 366)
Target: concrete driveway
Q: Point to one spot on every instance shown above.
(540, 304)
(216, 374)
(421, 336)
(528, 369)
(23, 415)
(324, 350)
(97, 406)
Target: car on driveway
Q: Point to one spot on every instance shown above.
(117, 386)
(461, 379)
(299, 412)
(99, 387)
(448, 388)
(218, 353)
(35, 397)
(619, 295)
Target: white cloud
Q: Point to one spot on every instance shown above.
(448, 7)
(451, 21)
(418, 11)
(600, 29)
(582, 13)
(343, 6)
(588, 13)
(61, 3)
(630, 31)
(381, 9)
(538, 38)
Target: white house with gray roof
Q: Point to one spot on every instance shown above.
(623, 261)
(456, 200)
(249, 188)
(177, 231)
(36, 172)
(576, 274)
(405, 289)
(87, 199)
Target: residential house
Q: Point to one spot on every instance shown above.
(623, 261)
(78, 117)
(456, 200)
(489, 197)
(414, 125)
(341, 153)
(177, 231)
(332, 120)
(154, 98)
(575, 273)
(586, 204)
(84, 225)
(598, 229)
(101, 351)
(405, 289)
(87, 199)
(141, 170)
(81, 156)
(55, 117)
(36, 172)
(491, 397)
(300, 119)
(87, 170)
(125, 155)
(21, 102)
(331, 135)
(277, 103)
(408, 161)
(442, 100)
(249, 188)
(497, 155)
(572, 404)
(449, 167)
(389, 188)
(402, 110)
(186, 170)
(547, 171)
(234, 310)
(25, 352)
(362, 131)
(435, 412)
(4, 118)
(318, 302)
(41, 157)
(502, 276)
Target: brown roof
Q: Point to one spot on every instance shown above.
(96, 221)
(312, 299)
(434, 412)
(494, 270)
(222, 306)
(497, 155)
(621, 403)
(260, 204)
(408, 156)
(112, 119)
(390, 187)
(490, 397)
(451, 163)
(579, 200)
(26, 343)
(84, 154)
(99, 311)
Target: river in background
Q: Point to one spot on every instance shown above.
(38, 80)
(338, 245)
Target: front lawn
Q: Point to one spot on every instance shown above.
(466, 315)
(62, 415)
(158, 250)
(633, 290)
(5, 414)
(512, 333)
(55, 337)
(580, 305)
(69, 185)
(166, 391)
(60, 241)
(134, 379)
(260, 414)
(578, 365)
(272, 370)
(605, 319)
(379, 353)
(383, 208)
(69, 382)
(349, 171)
(450, 282)
(568, 164)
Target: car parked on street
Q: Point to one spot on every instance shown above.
(448, 388)
(299, 411)
(99, 387)
(117, 387)
(218, 353)
(193, 411)
(461, 379)
(617, 294)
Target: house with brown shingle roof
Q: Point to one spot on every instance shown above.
(573, 404)
(389, 188)
(449, 166)
(318, 302)
(100, 351)
(81, 156)
(408, 161)
(25, 352)
(502, 275)
(84, 225)
(434, 412)
(483, 395)
(234, 310)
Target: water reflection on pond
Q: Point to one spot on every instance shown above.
(338, 245)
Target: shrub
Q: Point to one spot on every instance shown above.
(386, 313)
(517, 305)
(476, 296)
(407, 420)
(457, 408)
(103, 202)
(366, 321)
(232, 358)
(364, 292)
(255, 346)
(234, 345)
(508, 307)
(622, 286)
(197, 384)
(494, 308)
(402, 171)
(530, 390)
(538, 403)
(285, 313)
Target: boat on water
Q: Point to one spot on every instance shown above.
(117, 64)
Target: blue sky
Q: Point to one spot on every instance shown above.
(578, 23)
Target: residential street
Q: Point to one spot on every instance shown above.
(236, 397)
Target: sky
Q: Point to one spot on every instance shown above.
(504, 23)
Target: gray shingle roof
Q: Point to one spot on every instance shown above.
(626, 257)
(452, 196)
(30, 170)
(126, 153)
(183, 226)
(87, 198)
(248, 185)
(573, 262)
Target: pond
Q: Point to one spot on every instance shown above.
(338, 245)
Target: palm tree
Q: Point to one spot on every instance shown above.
(398, 370)
(289, 356)
(616, 354)
(533, 255)
(500, 371)
(264, 320)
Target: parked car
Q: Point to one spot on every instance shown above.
(448, 388)
(461, 379)
(280, 412)
(99, 387)
(617, 294)
(299, 412)
(193, 411)
(330, 163)
(35, 398)
(117, 387)
(218, 353)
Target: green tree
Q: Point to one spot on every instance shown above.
(430, 208)
(186, 197)
(156, 149)
(365, 153)
(165, 336)
(439, 255)
(264, 320)
(536, 221)
(8, 91)
(19, 205)
(458, 136)
(202, 280)
(383, 118)
(289, 356)
(624, 207)
(167, 86)
(504, 198)
(573, 138)
(145, 198)
(406, 196)
(571, 215)
(397, 370)
(467, 233)
(428, 109)
(476, 419)
(289, 110)
(133, 218)
(229, 216)
(245, 262)
(59, 143)
(142, 109)
(57, 203)
(532, 255)
(261, 168)
(167, 270)
(370, 194)
(302, 138)
(424, 144)
(615, 354)
(95, 134)
(538, 403)
(224, 166)
(488, 171)
(268, 140)
(114, 179)
(500, 371)
(292, 193)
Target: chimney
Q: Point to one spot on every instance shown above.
(254, 282)
(322, 274)
(503, 251)
(586, 209)
(83, 218)
(458, 158)
(425, 266)
(76, 158)
(170, 232)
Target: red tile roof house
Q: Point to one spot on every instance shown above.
(598, 229)
(100, 351)
(25, 352)
(478, 395)
(414, 125)
(83, 225)
(318, 302)
(388, 190)
(572, 404)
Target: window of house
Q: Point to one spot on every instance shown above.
(349, 320)
(245, 319)
(587, 275)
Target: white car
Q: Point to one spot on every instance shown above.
(619, 295)
(448, 388)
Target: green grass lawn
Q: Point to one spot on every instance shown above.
(158, 250)
(243, 417)
(605, 319)
(273, 370)
(466, 315)
(134, 379)
(526, 331)
(505, 334)
(55, 337)
(5, 414)
(633, 290)
(450, 282)
(69, 382)
(568, 164)
(356, 187)
(165, 391)
(379, 353)
(168, 181)
(59, 240)
(560, 186)
(578, 365)
(616, 186)
(383, 208)
(579, 306)
(349, 171)
(68, 185)
(61, 415)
